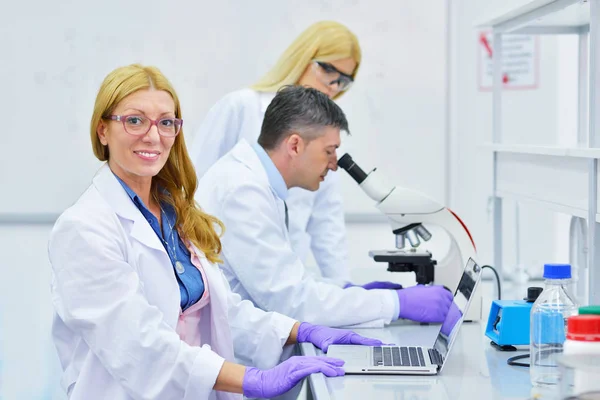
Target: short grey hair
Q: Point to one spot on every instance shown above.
(302, 110)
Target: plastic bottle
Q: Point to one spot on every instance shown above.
(583, 335)
(549, 316)
(583, 338)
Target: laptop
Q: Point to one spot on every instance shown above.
(413, 360)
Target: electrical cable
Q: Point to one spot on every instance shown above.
(498, 284)
(513, 360)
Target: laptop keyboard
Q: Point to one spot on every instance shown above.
(398, 356)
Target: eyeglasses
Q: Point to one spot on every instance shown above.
(330, 75)
(139, 125)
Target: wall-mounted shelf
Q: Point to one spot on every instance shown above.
(542, 17)
(563, 179)
(541, 202)
(550, 178)
(582, 152)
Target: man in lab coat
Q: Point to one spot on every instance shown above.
(247, 189)
(325, 56)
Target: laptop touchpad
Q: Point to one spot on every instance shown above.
(352, 355)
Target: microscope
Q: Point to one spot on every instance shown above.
(407, 210)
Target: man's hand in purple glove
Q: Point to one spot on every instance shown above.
(377, 285)
(322, 336)
(424, 303)
(452, 318)
(278, 380)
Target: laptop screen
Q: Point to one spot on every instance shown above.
(462, 298)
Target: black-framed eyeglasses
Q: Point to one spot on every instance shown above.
(330, 75)
(139, 125)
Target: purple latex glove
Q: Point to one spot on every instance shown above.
(452, 318)
(322, 336)
(377, 285)
(278, 380)
(424, 303)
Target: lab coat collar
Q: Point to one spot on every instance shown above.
(265, 100)
(275, 179)
(115, 195)
(244, 153)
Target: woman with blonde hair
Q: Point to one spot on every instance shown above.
(326, 57)
(141, 310)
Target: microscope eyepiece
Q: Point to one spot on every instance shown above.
(346, 162)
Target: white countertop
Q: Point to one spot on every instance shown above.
(474, 370)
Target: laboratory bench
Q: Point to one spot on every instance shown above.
(474, 369)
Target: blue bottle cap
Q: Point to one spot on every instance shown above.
(557, 271)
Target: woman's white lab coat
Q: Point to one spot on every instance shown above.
(316, 218)
(259, 261)
(117, 308)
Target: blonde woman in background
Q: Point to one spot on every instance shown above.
(326, 57)
(142, 310)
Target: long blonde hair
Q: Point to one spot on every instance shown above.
(323, 41)
(178, 176)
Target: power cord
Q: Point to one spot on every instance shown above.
(497, 279)
(513, 361)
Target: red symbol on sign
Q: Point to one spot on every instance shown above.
(486, 44)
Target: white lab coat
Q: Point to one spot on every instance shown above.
(259, 261)
(117, 308)
(316, 219)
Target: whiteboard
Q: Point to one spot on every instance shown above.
(53, 61)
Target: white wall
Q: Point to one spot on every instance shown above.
(60, 54)
(29, 368)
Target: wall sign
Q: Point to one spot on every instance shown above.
(520, 64)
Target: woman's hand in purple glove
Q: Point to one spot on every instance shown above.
(452, 318)
(278, 380)
(424, 303)
(322, 336)
(377, 285)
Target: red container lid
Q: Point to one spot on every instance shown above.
(584, 328)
